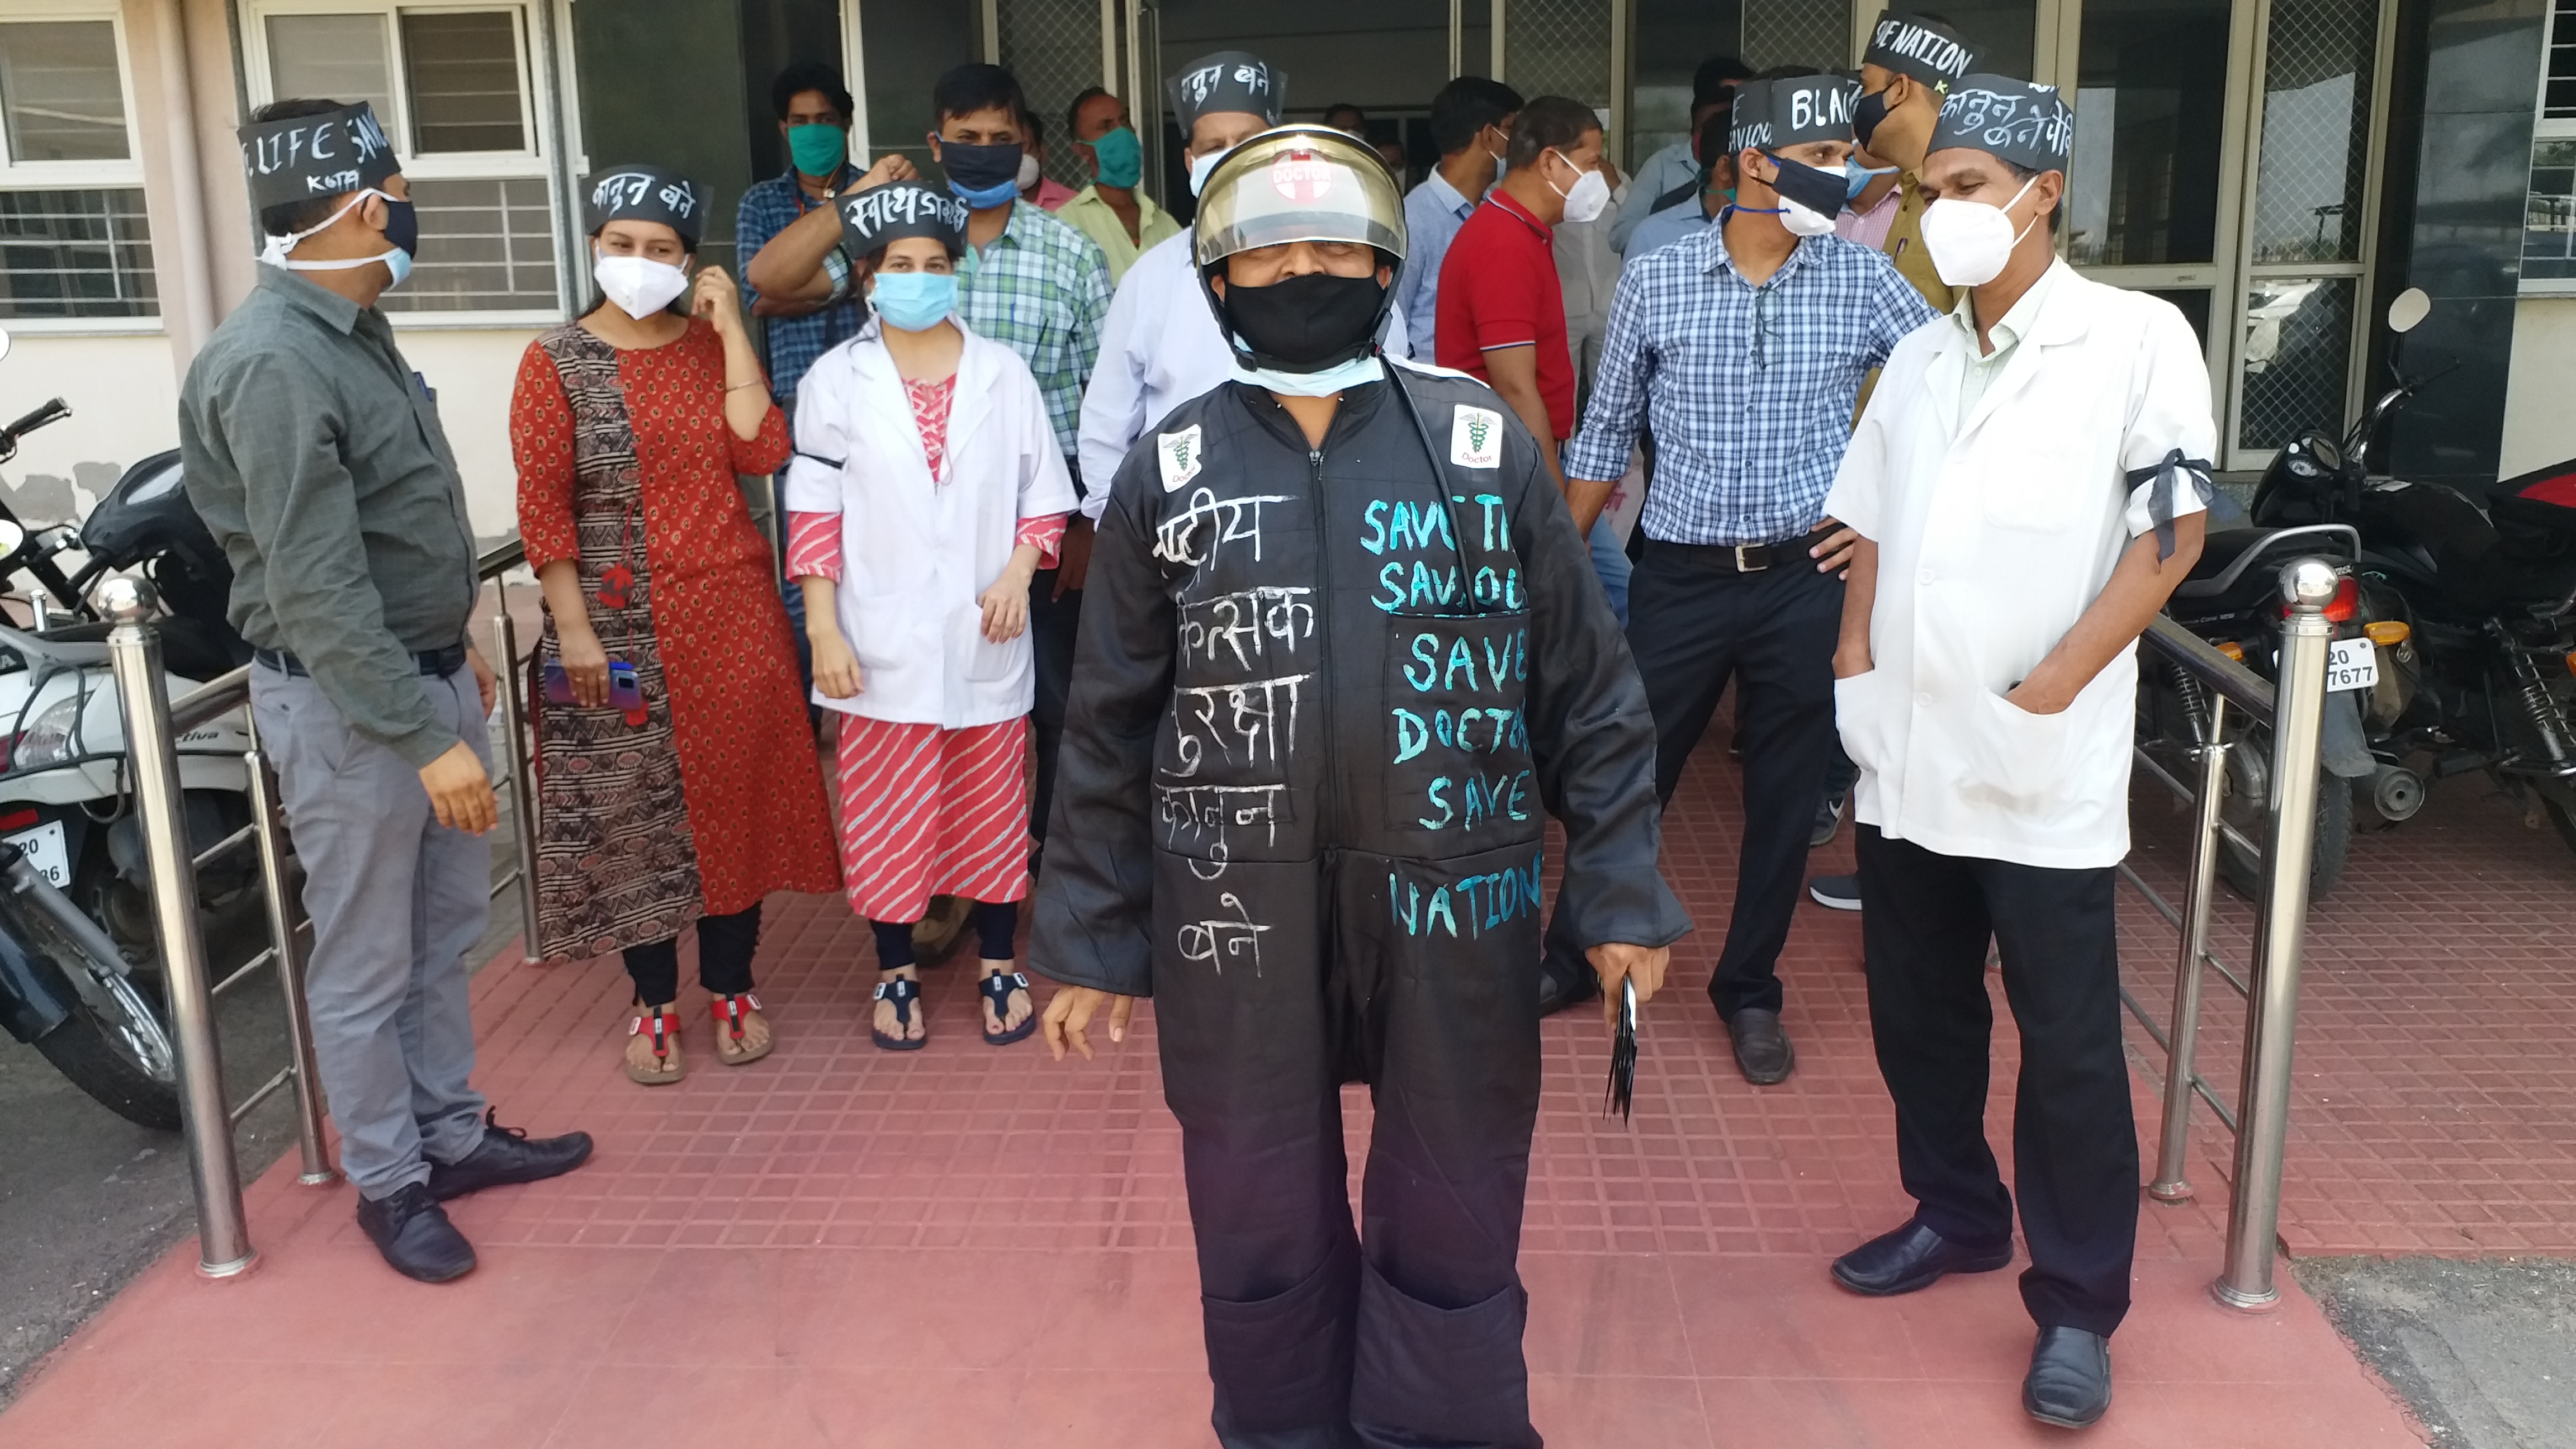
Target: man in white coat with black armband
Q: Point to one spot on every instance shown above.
(2028, 484)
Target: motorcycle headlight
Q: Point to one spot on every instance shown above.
(53, 738)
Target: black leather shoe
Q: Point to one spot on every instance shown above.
(507, 1155)
(1912, 1257)
(413, 1233)
(1762, 1049)
(1558, 991)
(2070, 1378)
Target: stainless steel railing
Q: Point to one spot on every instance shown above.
(153, 724)
(2294, 710)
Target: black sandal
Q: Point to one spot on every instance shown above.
(997, 989)
(903, 991)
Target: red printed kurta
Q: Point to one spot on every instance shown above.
(927, 811)
(711, 799)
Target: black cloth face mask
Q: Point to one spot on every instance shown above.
(1307, 321)
(1867, 114)
(980, 168)
(1818, 191)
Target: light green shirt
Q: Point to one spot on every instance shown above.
(1984, 367)
(1092, 215)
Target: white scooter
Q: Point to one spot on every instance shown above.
(77, 951)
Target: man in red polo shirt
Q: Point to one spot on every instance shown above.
(1501, 314)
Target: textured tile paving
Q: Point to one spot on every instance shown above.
(969, 1247)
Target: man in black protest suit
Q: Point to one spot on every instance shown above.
(1342, 647)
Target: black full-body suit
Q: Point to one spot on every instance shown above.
(1317, 712)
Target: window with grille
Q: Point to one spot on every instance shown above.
(73, 243)
(2549, 210)
(458, 88)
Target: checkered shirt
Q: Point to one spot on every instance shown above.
(794, 342)
(1041, 289)
(1749, 389)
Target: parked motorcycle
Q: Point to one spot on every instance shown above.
(2473, 605)
(79, 973)
(2232, 600)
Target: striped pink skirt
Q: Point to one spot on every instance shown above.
(928, 811)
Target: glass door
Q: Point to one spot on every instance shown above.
(2311, 220)
(2152, 197)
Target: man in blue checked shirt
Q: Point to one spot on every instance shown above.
(1744, 346)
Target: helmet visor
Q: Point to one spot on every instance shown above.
(1298, 183)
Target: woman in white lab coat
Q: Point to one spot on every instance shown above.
(927, 487)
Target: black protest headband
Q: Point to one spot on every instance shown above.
(645, 193)
(898, 209)
(2029, 125)
(1925, 49)
(1808, 108)
(306, 158)
(1791, 111)
(1229, 80)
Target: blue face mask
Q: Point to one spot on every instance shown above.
(914, 301)
(1860, 177)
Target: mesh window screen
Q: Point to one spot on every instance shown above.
(1558, 48)
(2317, 77)
(1053, 48)
(485, 246)
(75, 254)
(1797, 32)
(2298, 342)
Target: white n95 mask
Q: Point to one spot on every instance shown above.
(1586, 199)
(1970, 241)
(639, 286)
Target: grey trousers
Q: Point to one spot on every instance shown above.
(396, 900)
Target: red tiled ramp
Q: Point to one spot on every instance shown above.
(966, 1247)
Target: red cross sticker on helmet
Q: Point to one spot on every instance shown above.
(1301, 176)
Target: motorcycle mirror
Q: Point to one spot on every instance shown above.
(4, 342)
(2408, 310)
(12, 539)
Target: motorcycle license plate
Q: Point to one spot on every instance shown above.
(47, 850)
(2351, 664)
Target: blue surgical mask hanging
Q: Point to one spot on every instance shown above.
(1859, 177)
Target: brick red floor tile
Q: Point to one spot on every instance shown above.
(970, 1247)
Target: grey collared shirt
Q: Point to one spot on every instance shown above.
(314, 453)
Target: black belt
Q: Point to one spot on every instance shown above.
(437, 663)
(1745, 558)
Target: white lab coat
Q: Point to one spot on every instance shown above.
(1159, 348)
(916, 556)
(1995, 532)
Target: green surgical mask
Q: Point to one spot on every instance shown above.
(818, 150)
(1121, 156)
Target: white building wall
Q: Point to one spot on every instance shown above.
(472, 372)
(2539, 423)
(124, 401)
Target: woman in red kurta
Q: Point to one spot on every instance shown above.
(677, 778)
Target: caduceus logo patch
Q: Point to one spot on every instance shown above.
(1476, 438)
(1179, 455)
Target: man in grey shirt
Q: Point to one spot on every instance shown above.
(315, 455)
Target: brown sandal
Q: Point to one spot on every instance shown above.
(664, 1027)
(730, 1048)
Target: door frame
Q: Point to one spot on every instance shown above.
(2232, 272)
